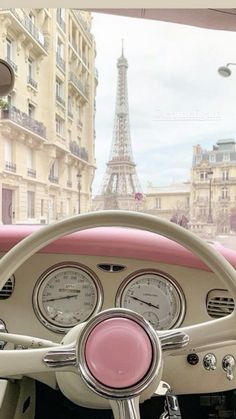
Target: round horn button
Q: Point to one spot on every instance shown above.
(118, 352)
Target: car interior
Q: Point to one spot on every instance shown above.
(117, 313)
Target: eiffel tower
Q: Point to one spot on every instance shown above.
(121, 188)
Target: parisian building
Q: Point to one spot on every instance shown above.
(47, 132)
(213, 187)
(171, 202)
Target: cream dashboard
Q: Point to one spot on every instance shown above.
(53, 291)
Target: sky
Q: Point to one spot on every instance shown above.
(176, 97)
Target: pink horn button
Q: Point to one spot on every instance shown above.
(118, 352)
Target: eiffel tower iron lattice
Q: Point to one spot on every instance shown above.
(121, 188)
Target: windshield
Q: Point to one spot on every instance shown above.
(112, 112)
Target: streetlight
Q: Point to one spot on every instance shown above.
(225, 71)
(210, 176)
(79, 176)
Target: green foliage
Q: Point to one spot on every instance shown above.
(4, 105)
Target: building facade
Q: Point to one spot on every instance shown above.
(171, 202)
(47, 133)
(213, 187)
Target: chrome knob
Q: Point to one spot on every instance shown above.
(209, 362)
(228, 365)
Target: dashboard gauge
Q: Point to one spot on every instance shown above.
(65, 295)
(155, 296)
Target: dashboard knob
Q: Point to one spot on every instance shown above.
(228, 365)
(209, 362)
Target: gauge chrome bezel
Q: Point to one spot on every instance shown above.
(135, 275)
(67, 265)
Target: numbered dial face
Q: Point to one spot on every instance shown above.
(66, 296)
(154, 296)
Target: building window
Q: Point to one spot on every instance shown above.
(52, 208)
(42, 208)
(54, 172)
(224, 193)
(61, 17)
(9, 49)
(203, 175)
(70, 104)
(31, 110)
(198, 159)
(212, 158)
(30, 158)
(32, 17)
(226, 157)
(31, 73)
(60, 48)
(225, 175)
(68, 206)
(59, 88)
(59, 125)
(60, 91)
(158, 203)
(30, 204)
(30, 68)
(8, 150)
(79, 141)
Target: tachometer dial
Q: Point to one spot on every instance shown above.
(155, 296)
(66, 295)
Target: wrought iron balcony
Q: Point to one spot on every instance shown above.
(78, 151)
(24, 120)
(12, 64)
(60, 20)
(78, 84)
(224, 198)
(202, 200)
(60, 100)
(11, 167)
(53, 179)
(69, 184)
(60, 62)
(32, 82)
(28, 24)
(31, 173)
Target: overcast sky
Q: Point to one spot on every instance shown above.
(176, 97)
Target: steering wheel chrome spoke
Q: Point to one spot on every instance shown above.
(173, 340)
(125, 409)
(61, 357)
(200, 336)
(22, 361)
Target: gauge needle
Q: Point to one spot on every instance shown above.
(144, 302)
(60, 298)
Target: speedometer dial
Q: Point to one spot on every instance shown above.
(155, 296)
(66, 295)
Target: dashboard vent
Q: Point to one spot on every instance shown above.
(219, 303)
(110, 267)
(7, 289)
